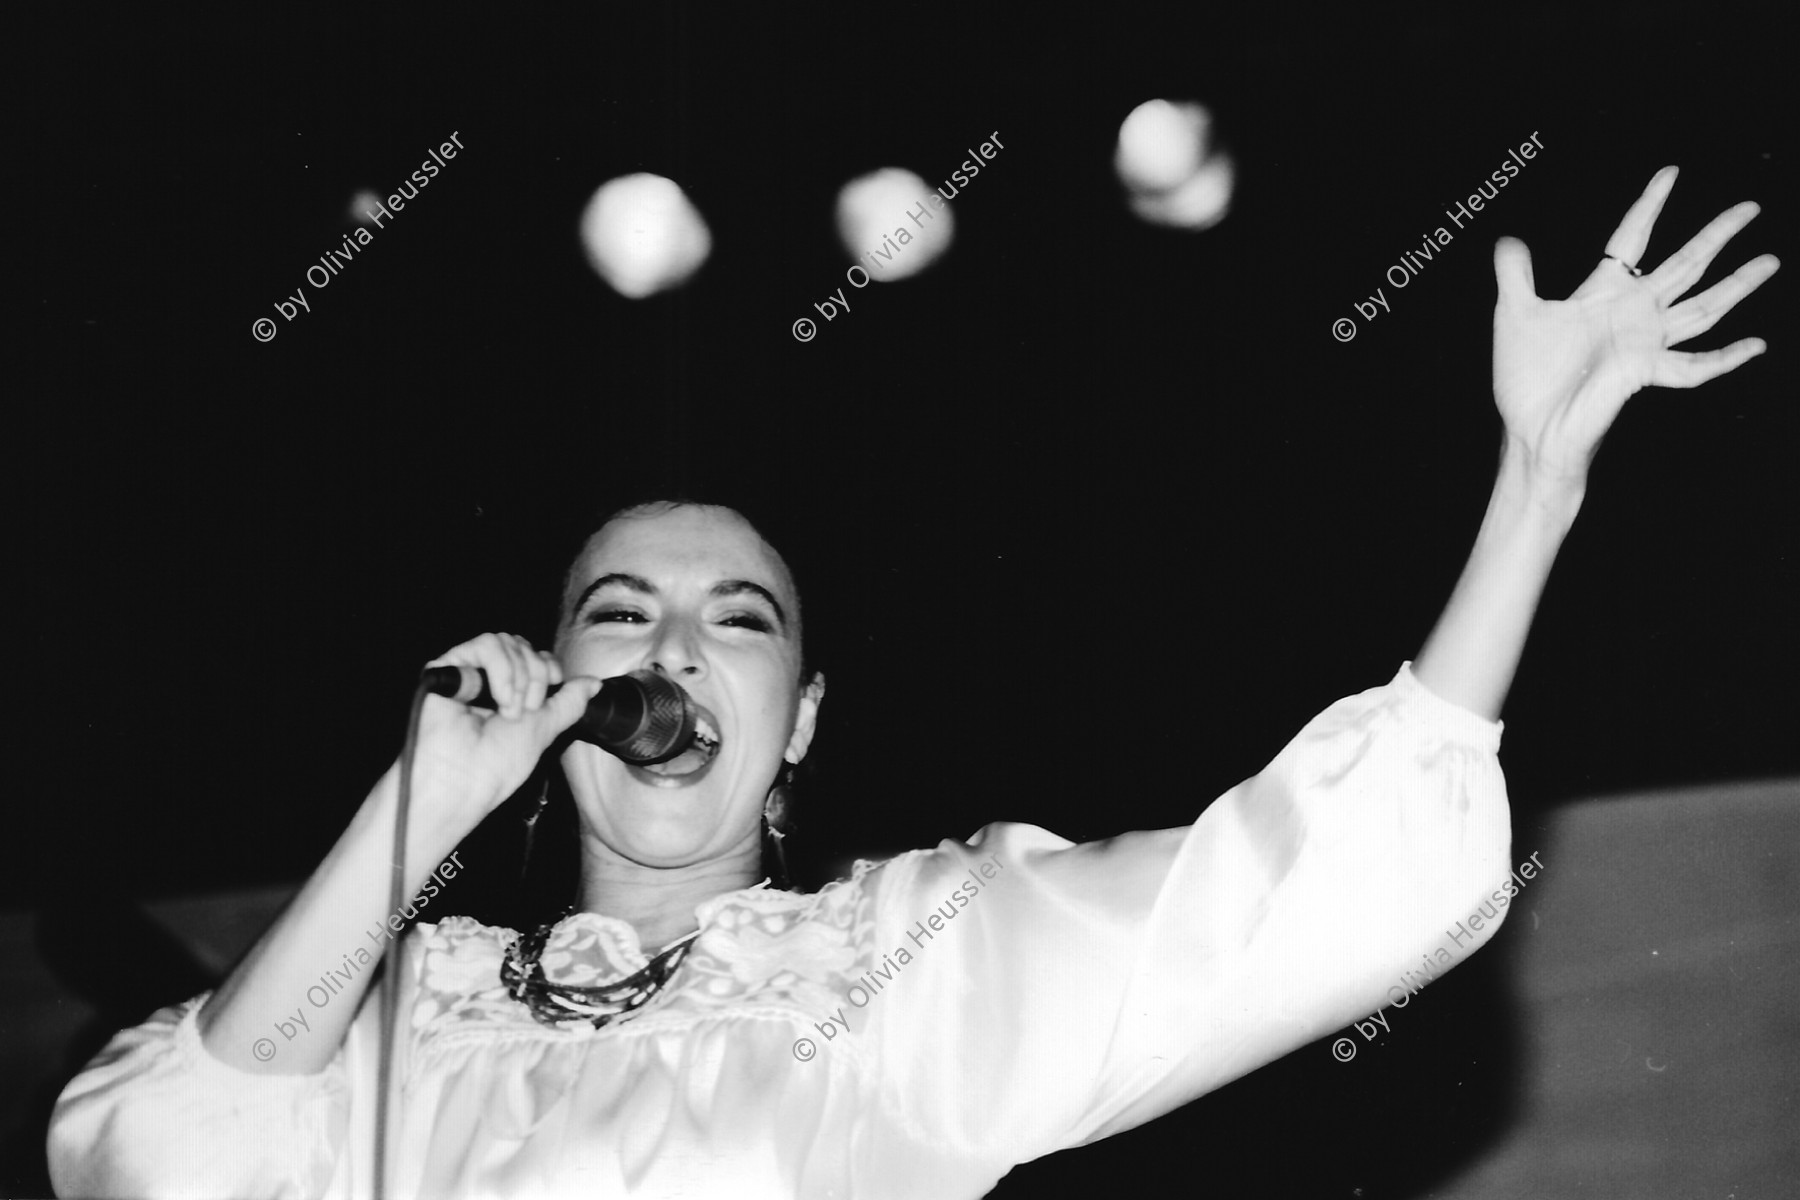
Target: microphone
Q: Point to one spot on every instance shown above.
(642, 717)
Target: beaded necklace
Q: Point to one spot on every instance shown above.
(556, 1003)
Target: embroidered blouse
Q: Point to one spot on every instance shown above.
(914, 1030)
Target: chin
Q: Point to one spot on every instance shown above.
(663, 821)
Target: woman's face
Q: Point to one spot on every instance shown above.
(695, 593)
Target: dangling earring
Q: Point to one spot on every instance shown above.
(777, 817)
(543, 802)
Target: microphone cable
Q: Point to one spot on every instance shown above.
(390, 982)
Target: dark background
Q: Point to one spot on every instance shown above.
(1080, 459)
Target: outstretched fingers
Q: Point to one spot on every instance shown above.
(1680, 369)
(1632, 237)
(1683, 269)
(1695, 316)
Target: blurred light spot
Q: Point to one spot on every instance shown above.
(362, 204)
(1167, 162)
(1161, 144)
(643, 235)
(889, 227)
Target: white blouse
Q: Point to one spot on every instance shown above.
(915, 1030)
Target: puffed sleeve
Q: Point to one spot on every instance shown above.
(154, 1114)
(1055, 993)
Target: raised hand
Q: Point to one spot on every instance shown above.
(1564, 368)
(471, 760)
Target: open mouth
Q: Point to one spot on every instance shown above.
(697, 757)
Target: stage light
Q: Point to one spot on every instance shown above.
(893, 224)
(1161, 144)
(1167, 162)
(362, 204)
(643, 235)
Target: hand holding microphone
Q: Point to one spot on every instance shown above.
(469, 761)
(473, 760)
(642, 717)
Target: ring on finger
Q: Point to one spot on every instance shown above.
(1631, 267)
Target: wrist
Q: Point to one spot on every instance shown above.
(429, 838)
(1540, 492)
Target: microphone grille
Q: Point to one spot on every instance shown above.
(667, 727)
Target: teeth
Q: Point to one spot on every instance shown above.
(704, 731)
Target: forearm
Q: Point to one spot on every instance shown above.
(1473, 651)
(330, 919)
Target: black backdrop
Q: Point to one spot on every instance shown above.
(1080, 457)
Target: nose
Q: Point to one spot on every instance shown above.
(676, 651)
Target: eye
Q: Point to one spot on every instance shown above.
(623, 616)
(747, 621)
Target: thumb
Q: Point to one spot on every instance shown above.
(1512, 272)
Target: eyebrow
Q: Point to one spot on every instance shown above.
(725, 587)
